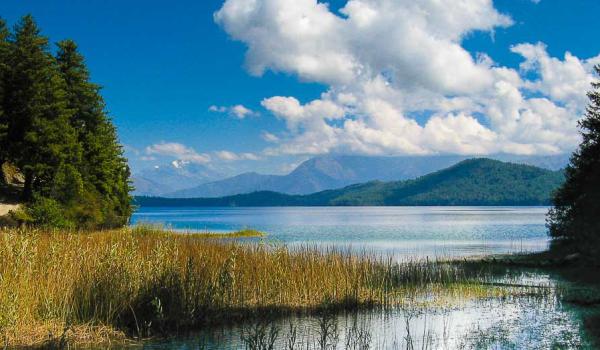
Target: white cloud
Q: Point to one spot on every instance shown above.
(179, 151)
(241, 111)
(460, 134)
(293, 37)
(386, 61)
(267, 136)
(290, 110)
(217, 109)
(564, 81)
(396, 36)
(238, 111)
(231, 156)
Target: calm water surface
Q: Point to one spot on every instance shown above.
(401, 231)
(490, 324)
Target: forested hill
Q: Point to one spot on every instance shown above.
(470, 182)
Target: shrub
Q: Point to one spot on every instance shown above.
(46, 212)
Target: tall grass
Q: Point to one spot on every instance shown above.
(145, 281)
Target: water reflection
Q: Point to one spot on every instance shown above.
(519, 323)
(400, 231)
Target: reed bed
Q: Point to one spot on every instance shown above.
(145, 281)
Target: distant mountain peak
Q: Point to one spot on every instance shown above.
(173, 176)
(480, 181)
(322, 173)
(178, 164)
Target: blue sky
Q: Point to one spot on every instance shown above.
(164, 64)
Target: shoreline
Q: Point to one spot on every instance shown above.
(7, 208)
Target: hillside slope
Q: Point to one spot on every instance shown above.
(243, 183)
(320, 174)
(470, 182)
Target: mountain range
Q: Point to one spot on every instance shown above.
(167, 178)
(188, 180)
(479, 181)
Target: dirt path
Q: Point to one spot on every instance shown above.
(5, 208)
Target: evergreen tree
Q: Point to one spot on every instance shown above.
(103, 166)
(574, 222)
(40, 137)
(4, 68)
(54, 128)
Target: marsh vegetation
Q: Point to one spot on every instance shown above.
(142, 282)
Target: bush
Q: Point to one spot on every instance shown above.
(45, 212)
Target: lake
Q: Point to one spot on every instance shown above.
(528, 322)
(405, 232)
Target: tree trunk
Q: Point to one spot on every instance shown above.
(28, 188)
(2, 177)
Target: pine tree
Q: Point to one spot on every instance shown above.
(103, 166)
(40, 137)
(4, 69)
(574, 222)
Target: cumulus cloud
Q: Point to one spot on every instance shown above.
(562, 80)
(387, 61)
(295, 114)
(238, 111)
(396, 36)
(179, 151)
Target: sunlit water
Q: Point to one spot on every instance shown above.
(523, 323)
(401, 231)
(406, 233)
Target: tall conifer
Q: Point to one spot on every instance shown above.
(103, 166)
(4, 67)
(40, 137)
(575, 219)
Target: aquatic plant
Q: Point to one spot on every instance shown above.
(144, 281)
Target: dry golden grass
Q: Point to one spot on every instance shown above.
(146, 281)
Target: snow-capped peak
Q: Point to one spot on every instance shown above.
(179, 163)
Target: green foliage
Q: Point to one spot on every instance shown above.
(574, 220)
(46, 212)
(4, 68)
(471, 182)
(40, 137)
(103, 165)
(67, 185)
(54, 128)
